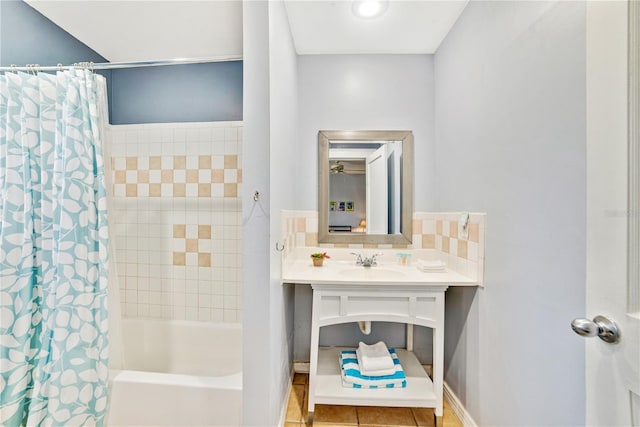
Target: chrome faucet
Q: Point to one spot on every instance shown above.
(364, 261)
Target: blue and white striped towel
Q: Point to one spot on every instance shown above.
(352, 378)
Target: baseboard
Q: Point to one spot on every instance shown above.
(301, 367)
(458, 408)
(285, 403)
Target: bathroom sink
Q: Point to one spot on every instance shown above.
(370, 273)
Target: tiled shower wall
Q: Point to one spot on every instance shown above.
(431, 230)
(176, 218)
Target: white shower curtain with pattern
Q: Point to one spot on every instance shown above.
(53, 250)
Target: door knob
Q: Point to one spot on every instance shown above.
(602, 327)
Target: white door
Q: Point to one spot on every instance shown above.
(612, 370)
(377, 192)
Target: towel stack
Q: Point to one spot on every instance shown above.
(372, 366)
(430, 266)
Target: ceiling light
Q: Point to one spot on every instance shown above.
(369, 9)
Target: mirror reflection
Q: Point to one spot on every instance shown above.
(365, 186)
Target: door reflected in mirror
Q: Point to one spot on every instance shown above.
(365, 191)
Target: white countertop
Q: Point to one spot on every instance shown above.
(341, 269)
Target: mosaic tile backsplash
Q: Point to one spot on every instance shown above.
(177, 219)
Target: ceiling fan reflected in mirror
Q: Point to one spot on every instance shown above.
(349, 167)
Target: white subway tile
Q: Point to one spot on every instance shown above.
(229, 315)
(143, 310)
(204, 314)
(155, 311)
(168, 313)
(191, 286)
(179, 313)
(191, 300)
(217, 315)
(217, 301)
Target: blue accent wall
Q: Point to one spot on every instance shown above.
(177, 93)
(28, 37)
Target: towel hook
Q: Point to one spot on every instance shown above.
(279, 249)
(256, 196)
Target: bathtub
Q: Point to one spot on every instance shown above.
(178, 373)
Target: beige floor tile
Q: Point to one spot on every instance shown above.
(335, 414)
(295, 404)
(300, 378)
(378, 416)
(424, 417)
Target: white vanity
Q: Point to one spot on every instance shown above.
(344, 292)
(393, 290)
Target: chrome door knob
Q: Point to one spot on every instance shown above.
(602, 327)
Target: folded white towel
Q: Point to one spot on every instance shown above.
(376, 373)
(430, 264)
(437, 265)
(374, 357)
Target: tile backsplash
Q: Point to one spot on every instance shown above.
(176, 217)
(431, 230)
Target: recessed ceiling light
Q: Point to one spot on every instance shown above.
(369, 9)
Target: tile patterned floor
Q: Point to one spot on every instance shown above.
(330, 415)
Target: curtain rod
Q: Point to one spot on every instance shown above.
(129, 64)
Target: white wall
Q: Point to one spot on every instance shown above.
(362, 92)
(258, 400)
(283, 138)
(510, 132)
(270, 135)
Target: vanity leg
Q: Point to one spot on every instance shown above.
(310, 419)
(409, 336)
(439, 421)
(313, 368)
(438, 356)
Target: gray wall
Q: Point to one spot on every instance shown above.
(510, 132)
(366, 92)
(344, 188)
(184, 93)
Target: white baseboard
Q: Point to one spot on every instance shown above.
(285, 403)
(301, 367)
(458, 408)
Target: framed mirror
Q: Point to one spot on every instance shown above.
(365, 187)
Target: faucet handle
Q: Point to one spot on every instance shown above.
(373, 258)
(358, 258)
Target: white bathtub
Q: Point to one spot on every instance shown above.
(178, 373)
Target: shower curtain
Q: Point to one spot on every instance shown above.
(53, 250)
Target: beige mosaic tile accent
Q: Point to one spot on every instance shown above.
(437, 231)
(192, 245)
(177, 176)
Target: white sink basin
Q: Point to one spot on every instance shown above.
(370, 273)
